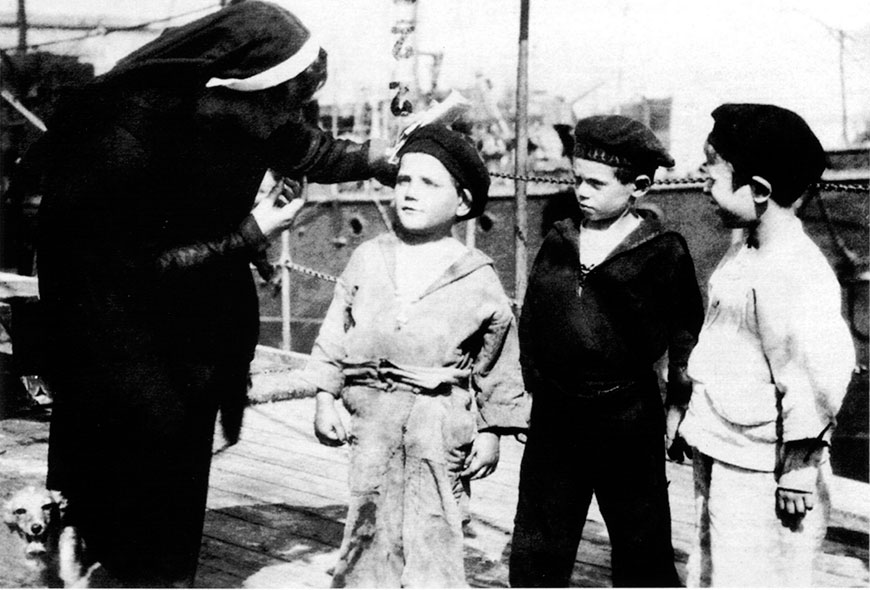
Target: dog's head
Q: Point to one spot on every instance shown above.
(35, 515)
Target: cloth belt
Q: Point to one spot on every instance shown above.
(597, 387)
(389, 376)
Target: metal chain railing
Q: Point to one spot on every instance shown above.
(307, 271)
(323, 276)
(687, 181)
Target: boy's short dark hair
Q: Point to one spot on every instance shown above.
(627, 175)
(770, 142)
(629, 146)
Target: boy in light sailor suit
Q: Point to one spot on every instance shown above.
(772, 363)
(420, 343)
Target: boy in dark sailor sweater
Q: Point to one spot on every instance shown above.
(607, 297)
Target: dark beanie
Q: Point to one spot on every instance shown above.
(620, 142)
(458, 155)
(771, 142)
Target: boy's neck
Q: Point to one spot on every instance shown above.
(775, 221)
(614, 223)
(411, 239)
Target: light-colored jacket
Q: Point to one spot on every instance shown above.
(774, 347)
(463, 321)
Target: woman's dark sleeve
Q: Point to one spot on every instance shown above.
(108, 203)
(247, 241)
(298, 149)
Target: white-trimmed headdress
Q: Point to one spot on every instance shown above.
(247, 46)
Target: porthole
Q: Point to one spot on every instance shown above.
(356, 225)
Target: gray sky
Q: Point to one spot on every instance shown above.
(700, 52)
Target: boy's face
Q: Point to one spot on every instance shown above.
(736, 208)
(427, 199)
(599, 193)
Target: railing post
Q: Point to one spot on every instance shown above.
(522, 149)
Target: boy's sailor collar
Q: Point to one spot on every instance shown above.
(469, 262)
(650, 228)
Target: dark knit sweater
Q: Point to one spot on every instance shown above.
(640, 302)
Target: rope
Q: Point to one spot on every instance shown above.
(688, 181)
(101, 31)
(29, 115)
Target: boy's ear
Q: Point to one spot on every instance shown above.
(464, 207)
(642, 184)
(761, 189)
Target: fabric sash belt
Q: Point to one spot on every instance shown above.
(387, 375)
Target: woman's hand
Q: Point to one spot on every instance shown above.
(277, 210)
(328, 427)
(483, 458)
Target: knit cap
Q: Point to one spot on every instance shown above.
(771, 142)
(620, 142)
(458, 155)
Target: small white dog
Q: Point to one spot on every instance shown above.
(54, 550)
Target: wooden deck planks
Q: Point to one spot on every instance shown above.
(278, 503)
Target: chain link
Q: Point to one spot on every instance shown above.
(322, 275)
(307, 271)
(842, 186)
(688, 181)
(527, 178)
(825, 186)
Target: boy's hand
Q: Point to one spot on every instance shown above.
(277, 210)
(675, 447)
(793, 505)
(456, 457)
(483, 458)
(797, 483)
(327, 423)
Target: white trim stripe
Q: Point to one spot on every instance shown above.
(286, 70)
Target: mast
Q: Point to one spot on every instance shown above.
(22, 27)
(522, 153)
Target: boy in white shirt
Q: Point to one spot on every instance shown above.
(772, 363)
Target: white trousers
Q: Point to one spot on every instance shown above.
(740, 541)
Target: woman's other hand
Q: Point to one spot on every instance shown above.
(277, 210)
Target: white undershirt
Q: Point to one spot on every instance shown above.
(597, 244)
(420, 265)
